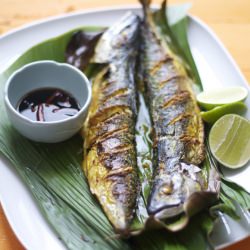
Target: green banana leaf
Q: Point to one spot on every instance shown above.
(54, 176)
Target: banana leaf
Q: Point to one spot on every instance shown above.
(54, 176)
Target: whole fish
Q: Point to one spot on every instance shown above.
(178, 134)
(110, 162)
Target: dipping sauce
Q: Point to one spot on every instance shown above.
(48, 104)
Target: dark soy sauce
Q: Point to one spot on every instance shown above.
(48, 104)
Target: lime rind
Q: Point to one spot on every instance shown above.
(214, 114)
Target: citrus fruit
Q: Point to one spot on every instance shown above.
(213, 98)
(214, 114)
(229, 141)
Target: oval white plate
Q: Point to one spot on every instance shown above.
(216, 68)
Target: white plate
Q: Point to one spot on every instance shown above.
(215, 66)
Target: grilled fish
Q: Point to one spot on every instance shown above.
(110, 163)
(178, 136)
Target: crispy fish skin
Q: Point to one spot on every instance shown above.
(178, 129)
(110, 163)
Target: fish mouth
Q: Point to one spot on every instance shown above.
(171, 189)
(165, 211)
(165, 204)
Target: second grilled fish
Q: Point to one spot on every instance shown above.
(178, 130)
(110, 154)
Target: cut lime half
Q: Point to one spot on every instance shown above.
(229, 141)
(214, 114)
(213, 98)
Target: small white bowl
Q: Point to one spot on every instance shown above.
(44, 74)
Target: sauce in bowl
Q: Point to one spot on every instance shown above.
(48, 104)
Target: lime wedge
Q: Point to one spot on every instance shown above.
(214, 114)
(220, 96)
(229, 141)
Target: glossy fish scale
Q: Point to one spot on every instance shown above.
(110, 162)
(178, 130)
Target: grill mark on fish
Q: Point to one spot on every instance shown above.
(163, 83)
(114, 144)
(178, 98)
(117, 93)
(101, 115)
(109, 126)
(158, 64)
(119, 172)
(117, 159)
(116, 101)
(114, 119)
(180, 117)
(100, 138)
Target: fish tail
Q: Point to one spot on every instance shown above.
(161, 16)
(145, 5)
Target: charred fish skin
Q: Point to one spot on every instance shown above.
(178, 129)
(110, 162)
